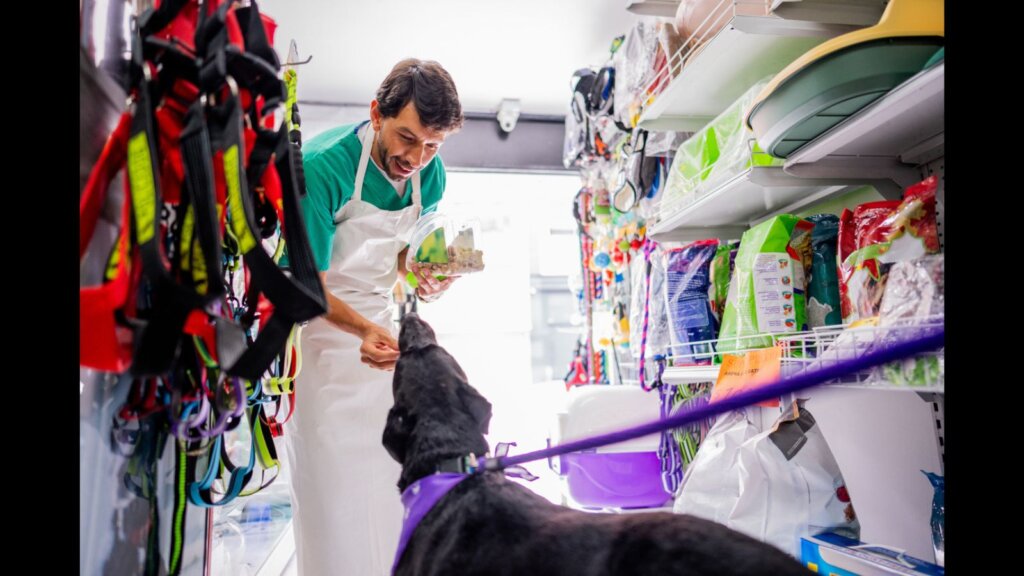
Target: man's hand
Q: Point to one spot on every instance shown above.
(379, 349)
(430, 288)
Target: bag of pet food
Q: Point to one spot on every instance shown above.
(853, 229)
(914, 292)
(823, 307)
(907, 232)
(767, 290)
(711, 485)
(792, 485)
(687, 289)
(775, 485)
(721, 271)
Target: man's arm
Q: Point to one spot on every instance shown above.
(379, 349)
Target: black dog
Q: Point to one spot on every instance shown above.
(488, 525)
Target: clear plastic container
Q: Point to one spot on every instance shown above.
(444, 245)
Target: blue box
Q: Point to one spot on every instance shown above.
(835, 555)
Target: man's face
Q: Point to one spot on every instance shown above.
(403, 145)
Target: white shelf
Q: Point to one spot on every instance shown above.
(862, 12)
(729, 209)
(887, 139)
(882, 442)
(892, 388)
(831, 345)
(746, 50)
(690, 374)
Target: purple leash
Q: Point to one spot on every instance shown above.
(780, 387)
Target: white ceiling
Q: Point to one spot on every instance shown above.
(494, 49)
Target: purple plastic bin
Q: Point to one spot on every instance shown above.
(614, 480)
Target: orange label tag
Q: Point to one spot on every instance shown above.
(740, 373)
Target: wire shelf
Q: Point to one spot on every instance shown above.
(828, 346)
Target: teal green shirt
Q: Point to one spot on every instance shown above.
(330, 160)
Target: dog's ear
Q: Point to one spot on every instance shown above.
(477, 405)
(396, 433)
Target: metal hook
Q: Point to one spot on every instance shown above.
(300, 62)
(293, 55)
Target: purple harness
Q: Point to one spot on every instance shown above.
(421, 496)
(418, 499)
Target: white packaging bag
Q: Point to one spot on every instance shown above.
(776, 486)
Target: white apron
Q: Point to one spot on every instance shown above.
(346, 504)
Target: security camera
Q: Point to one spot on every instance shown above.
(508, 114)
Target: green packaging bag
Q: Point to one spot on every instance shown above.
(721, 272)
(767, 290)
(714, 154)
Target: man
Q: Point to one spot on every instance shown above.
(366, 185)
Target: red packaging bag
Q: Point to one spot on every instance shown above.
(884, 236)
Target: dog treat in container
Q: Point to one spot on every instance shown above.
(444, 246)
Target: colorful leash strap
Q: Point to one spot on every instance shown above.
(668, 449)
(648, 248)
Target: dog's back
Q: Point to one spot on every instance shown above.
(488, 525)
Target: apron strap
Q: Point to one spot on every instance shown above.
(364, 158)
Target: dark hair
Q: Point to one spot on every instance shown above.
(431, 89)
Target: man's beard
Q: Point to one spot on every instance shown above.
(383, 152)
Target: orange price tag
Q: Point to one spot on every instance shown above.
(742, 372)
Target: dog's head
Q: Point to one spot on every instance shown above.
(436, 412)
(415, 334)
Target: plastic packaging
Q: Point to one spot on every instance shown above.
(737, 148)
(788, 470)
(853, 230)
(823, 307)
(658, 337)
(575, 144)
(637, 301)
(665, 143)
(767, 290)
(642, 272)
(634, 67)
(687, 289)
(714, 154)
(650, 204)
(444, 246)
(938, 520)
(907, 232)
(914, 291)
(721, 273)
(690, 167)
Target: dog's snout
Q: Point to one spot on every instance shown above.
(414, 333)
